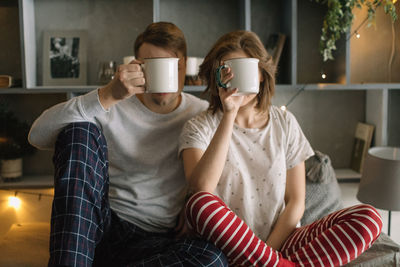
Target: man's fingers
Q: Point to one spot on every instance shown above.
(136, 89)
(131, 67)
(137, 82)
(126, 76)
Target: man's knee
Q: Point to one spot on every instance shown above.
(81, 151)
(79, 132)
(80, 136)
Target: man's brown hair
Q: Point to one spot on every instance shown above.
(163, 34)
(249, 43)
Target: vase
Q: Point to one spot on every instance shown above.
(11, 169)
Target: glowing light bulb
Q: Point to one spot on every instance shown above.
(14, 202)
(283, 108)
(358, 35)
(323, 75)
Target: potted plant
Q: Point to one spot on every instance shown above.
(339, 18)
(14, 144)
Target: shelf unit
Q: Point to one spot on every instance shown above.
(327, 109)
(34, 181)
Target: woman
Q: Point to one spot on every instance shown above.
(244, 161)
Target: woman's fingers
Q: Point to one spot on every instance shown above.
(226, 75)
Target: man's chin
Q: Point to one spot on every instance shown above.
(163, 98)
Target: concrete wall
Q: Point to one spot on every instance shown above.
(112, 27)
(371, 53)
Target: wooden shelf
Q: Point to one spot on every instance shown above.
(347, 175)
(201, 88)
(34, 181)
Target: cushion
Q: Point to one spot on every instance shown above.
(323, 194)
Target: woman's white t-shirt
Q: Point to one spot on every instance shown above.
(253, 181)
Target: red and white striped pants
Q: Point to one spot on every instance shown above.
(333, 240)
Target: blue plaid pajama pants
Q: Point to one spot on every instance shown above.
(86, 232)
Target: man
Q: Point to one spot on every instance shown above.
(118, 131)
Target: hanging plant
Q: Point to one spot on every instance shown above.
(339, 18)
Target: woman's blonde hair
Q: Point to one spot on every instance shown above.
(249, 43)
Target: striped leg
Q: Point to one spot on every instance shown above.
(208, 216)
(335, 239)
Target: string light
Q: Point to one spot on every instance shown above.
(284, 107)
(14, 202)
(356, 33)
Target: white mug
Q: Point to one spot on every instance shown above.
(161, 75)
(128, 59)
(191, 66)
(245, 75)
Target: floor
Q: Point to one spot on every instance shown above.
(38, 209)
(349, 192)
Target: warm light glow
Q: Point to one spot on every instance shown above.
(323, 75)
(358, 35)
(283, 108)
(14, 202)
(394, 1)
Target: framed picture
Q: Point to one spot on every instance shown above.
(64, 58)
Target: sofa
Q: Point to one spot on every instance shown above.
(323, 196)
(26, 244)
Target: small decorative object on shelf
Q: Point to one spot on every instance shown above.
(192, 71)
(64, 58)
(7, 81)
(107, 71)
(13, 144)
(362, 142)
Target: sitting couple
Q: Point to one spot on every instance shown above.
(132, 170)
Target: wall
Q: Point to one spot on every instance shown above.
(328, 119)
(371, 53)
(202, 22)
(99, 18)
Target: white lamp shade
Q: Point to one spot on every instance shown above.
(380, 180)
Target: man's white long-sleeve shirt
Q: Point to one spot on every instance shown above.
(147, 183)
